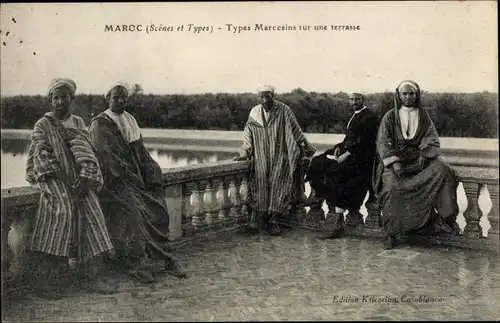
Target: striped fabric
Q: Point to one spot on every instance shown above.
(276, 146)
(53, 149)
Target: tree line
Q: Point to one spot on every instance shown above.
(455, 114)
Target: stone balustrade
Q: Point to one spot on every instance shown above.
(206, 198)
(473, 180)
(213, 198)
(201, 200)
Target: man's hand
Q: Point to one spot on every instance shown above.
(82, 186)
(304, 161)
(398, 171)
(336, 152)
(342, 158)
(60, 176)
(423, 162)
(240, 158)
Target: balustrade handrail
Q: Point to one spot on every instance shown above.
(178, 175)
(25, 195)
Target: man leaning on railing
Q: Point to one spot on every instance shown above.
(275, 143)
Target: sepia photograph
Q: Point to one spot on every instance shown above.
(249, 161)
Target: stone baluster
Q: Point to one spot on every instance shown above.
(7, 254)
(493, 216)
(245, 195)
(175, 200)
(472, 213)
(300, 212)
(209, 201)
(316, 215)
(196, 205)
(234, 196)
(331, 210)
(223, 199)
(373, 220)
(186, 203)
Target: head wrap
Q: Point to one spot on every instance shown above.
(61, 82)
(357, 93)
(266, 88)
(415, 86)
(117, 84)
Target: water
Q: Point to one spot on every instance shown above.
(14, 161)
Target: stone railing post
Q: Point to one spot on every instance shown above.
(244, 195)
(174, 196)
(235, 198)
(209, 201)
(331, 210)
(493, 215)
(472, 213)
(7, 254)
(223, 200)
(373, 220)
(196, 205)
(316, 215)
(299, 212)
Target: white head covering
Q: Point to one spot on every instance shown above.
(362, 94)
(409, 83)
(61, 82)
(266, 88)
(116, 84)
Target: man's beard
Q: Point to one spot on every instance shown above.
(267, 106)
(118, 110)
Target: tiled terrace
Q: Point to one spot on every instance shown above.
(293, 277)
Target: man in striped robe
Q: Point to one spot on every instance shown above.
(275, 142)
(69, 221)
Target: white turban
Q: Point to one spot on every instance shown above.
(412, 84)
(266, 88)
(361, 94)
(61, 82)
(117, 84)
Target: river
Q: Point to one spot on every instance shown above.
(14, 161)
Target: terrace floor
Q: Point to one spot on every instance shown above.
(294, 277)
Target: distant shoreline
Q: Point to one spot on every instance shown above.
(457, 151)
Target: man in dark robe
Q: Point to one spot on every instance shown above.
(342, 175)
(416, 190)
(133, 195)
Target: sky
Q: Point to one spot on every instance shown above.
(444, 46)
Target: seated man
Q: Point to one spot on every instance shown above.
(133, 195)
(342, 175)
(69, 222)
(416, 190)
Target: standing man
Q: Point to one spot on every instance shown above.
(278, 147)
(342, 175)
